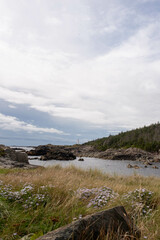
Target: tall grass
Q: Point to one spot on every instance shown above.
(51, 200)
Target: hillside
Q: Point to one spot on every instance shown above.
(146, 138)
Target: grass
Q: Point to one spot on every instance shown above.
(33, 202)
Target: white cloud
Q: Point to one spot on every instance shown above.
(14, 124)
(52, 21)
(92, 116)
(52, 61)
(11, 106)
(113, 89)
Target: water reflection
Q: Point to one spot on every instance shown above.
(107, 166)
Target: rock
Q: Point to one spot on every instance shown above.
(136, 166)
(13, 159)
(112, 154)
(43, 158)
(157, 159)
(90, 151)
(81, 159)
(155, 167)
(51, 152)
(16, 156)
(60, 155)
(147, 163)
(33, 158)
(129, 166)
(18, 149)
(22, 157)
(133, 166)
(108, 222)
(10, 153)
(40, 150)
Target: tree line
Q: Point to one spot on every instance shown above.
(146, 138)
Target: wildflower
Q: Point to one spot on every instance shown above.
(141, 200)
(100, 196)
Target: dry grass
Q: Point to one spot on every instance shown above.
(64, 206)
(74, 178)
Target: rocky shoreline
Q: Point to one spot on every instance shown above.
(49, 151)
(133, 154)
(18, 158)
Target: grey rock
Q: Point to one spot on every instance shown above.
(114, 154)
(21, 157)
(133, 166)
(109, 222)
(10, 158)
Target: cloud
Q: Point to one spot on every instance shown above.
(52, 21)
(96, 62)
(13, 124)
(11, 106)
(114, 88)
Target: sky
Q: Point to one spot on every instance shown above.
(77, 70)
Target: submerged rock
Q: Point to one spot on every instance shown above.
(133, 166)
(155, 167)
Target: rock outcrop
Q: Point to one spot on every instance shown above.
(115, 154)
(112, 222)
(9, 158)
(52, 152)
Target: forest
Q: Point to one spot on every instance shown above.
(146, 138)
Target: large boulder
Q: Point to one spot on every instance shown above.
(112, 222)
(9, 158)
(22, 157)
(16, 155)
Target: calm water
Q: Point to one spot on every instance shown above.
(118, 167)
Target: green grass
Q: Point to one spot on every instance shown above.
(59, 202)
